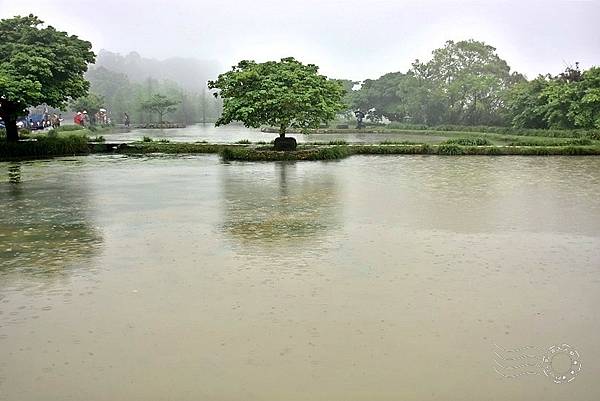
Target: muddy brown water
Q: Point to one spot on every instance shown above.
(370, 278)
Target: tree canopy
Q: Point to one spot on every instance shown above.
(159, 104)
(122, 94)
(282, 94)
(472, 77)
(92, 103)
(463, 83)
(383, 96)
(38, 65)
(568, 100)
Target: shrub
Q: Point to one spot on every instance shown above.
(449, 149)
(170, 148)
(268, 154)
(45, 147)
(550, 142)
(390, 142)
(478, 141)
(243, 142)
(68, 128)
(99, 138)
(338, 142)
(146, 139)
(332, 153)
(391, 149)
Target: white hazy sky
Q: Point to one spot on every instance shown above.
(346, 38)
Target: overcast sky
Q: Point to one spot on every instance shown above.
(346, 38)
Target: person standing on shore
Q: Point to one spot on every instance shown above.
(126, 119)
(78, 119)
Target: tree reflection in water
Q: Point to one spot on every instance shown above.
(46, 223)
(279, 204)
(14, 173)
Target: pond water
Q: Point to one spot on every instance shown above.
(233, 133)
(369, 278)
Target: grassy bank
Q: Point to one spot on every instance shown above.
(453, 130)
(66, 140)
(302, 153)
(173, 148)
(78, 144)
(549, 133)
(457, 150)
(339, 150)
(44, 147)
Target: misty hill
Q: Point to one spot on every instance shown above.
(190, 73)
(125, 82)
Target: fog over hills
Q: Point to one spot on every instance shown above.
(190, 73)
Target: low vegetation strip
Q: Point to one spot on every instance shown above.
(456, 150)
(551, 142)
(551, 133)
(469, 141)
(172, 148)
(44, 147)
(80, 145)
(268, 154)
(397, 128)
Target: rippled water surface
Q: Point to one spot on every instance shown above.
(370, 278)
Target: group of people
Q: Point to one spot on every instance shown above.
(55, 120)
(102, 118)
(81, 118)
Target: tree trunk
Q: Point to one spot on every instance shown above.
(12, 132)
(10, 124)
(283, 143)
(9, 112)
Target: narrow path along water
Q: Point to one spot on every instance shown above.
(380, 277)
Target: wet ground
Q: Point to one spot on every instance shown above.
(370, 278)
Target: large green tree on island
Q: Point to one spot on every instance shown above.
(284, 94)
(38, 65)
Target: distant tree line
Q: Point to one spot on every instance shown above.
(467, 83)
(151, 100)
(568, 100)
